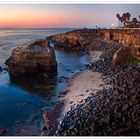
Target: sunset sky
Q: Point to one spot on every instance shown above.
(64, 15)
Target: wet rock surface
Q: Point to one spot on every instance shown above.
(2, 131)
(30, 60)
(51, 120)
(63, 94)
(1, 69)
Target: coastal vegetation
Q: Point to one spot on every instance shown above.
(125, 19)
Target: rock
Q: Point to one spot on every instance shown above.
(120, 131)
(63, 93)
(71, 102)
(36, 58)
(125, 107)
(44, 128)
(121, 56)
(127, 37)
(115, 109)
(51, 118)
(136, 98)
(77, 40)
(44, 133)
(1, 69)
(2, 131)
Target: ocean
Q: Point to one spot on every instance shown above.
(22, 105)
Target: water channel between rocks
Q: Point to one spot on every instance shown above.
(22, 105)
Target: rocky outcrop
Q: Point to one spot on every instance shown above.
(2, 131)
(79, 40)
(113, 111)
(127, 37)
(122, 56)
(32, 60)
(1, 69)
(51, 119)
(124, 36)
(91, 39)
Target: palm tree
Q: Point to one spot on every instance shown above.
(128, 15)
(119, 17)
(124, 18)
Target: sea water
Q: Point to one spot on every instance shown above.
(22, 105)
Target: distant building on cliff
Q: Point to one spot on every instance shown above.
(125, 20)
(132, 24)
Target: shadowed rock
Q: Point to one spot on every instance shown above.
(78, 40)
(121, 56)
(2, 131)
(126, 37)
(36, 59)
(51, 118)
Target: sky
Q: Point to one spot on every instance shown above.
(63, 15)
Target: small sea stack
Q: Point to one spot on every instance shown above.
(36, 59)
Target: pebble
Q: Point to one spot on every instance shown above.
(125, 107)
(1, 69)
(44, 128)
(2, 131)
(71, 102)
(111, 111)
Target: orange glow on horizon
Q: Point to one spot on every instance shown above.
(62, 15)
(48, 16)
(16, 17)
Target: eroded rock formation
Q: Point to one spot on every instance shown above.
(127, 37)
(32, 60)
(122, 56)
(90, 39)
(79, 40)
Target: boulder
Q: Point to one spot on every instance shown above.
(2, 131)
(51, 118)
(32, 60)
(121, 56)
(1, 69)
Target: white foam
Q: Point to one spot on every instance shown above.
(4, 78)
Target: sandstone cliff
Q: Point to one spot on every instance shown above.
(90, 39)
(82, 39)
(127, 37)
(34, 59)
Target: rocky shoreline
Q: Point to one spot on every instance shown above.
(112, 111)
